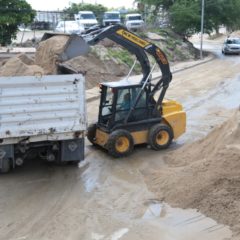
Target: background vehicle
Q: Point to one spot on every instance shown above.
(43, 116)
(111, 18)
(69, 27)
(134, 22)
(231, 46)
(86, 18)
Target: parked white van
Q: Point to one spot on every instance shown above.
(134, 22)
(86, 18)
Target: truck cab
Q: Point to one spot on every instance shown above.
(134, 22)
(87, 19)
(111, 18)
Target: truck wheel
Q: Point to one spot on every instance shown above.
(120, 143)
(91, 133)
(160, 136)
(6, 165)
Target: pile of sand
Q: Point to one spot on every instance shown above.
(235, 34)
(205, 175)
(21, 65)
(49, 53)
(96, 70)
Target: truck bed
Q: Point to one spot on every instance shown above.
(40, 108)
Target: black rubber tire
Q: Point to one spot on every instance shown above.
(154, 135)
(6, 165)
(113, 141)
(91, 132)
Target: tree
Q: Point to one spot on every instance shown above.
(97, 9)
(151, 8)
(186, 15)
(166, 4)
(12, 14)
(223, 12)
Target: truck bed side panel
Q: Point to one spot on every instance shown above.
(42, 105)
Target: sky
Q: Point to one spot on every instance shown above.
(61, 4)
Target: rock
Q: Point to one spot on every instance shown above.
(155, 36)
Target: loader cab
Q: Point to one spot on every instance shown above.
(117, 98)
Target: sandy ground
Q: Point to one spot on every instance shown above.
(109, 199)
(206, 173)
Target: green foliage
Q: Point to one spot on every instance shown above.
(225, 12)
(157, 3)
(97, 9)
(185, 17)
(12, 14)
(125, 57)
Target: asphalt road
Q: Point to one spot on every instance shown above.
(107, 198)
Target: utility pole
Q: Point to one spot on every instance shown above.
(202, 25)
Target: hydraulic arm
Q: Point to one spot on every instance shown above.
(140, 48)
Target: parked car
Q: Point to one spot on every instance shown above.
(86, 18)
(134, 22)
(69, 27)
(231, 46)
(111, 18)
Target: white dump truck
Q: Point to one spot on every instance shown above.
(44, 115)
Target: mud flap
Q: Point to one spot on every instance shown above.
(72, 150)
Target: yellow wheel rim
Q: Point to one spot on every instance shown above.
(162, 137)
(122, 144)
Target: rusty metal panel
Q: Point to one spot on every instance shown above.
(42, 105)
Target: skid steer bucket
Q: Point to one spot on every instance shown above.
(74, 47)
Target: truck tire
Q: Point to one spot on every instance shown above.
(91, 133)
(160, 136)
(120, 143)
(6, 165)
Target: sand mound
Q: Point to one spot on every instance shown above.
(96, 70)
(26, 59)
(205, 175)
(235, 34)
(49, 52)
(17, 66)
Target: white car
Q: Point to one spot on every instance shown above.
(231, 46)
(86, 18)
(134, 22)
(71, 27)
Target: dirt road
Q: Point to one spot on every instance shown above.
(107, 198)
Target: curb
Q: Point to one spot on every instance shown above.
(197, 64)
(90, 99)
